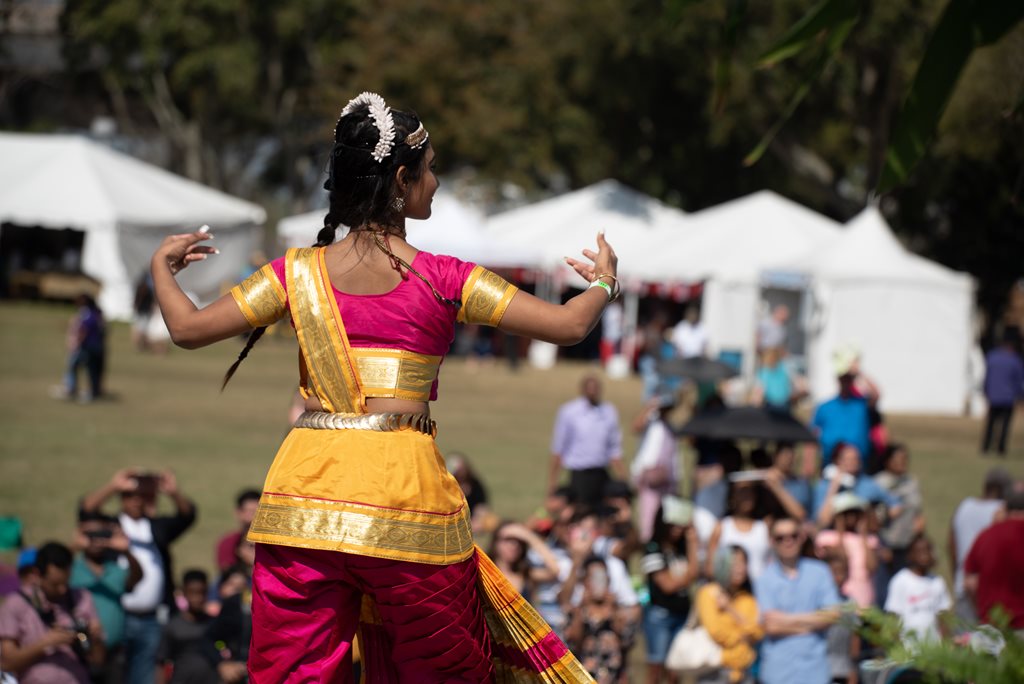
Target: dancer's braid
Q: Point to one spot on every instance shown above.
(254, 337)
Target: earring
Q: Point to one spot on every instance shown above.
(398, 204)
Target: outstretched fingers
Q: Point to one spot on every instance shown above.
(586, 271)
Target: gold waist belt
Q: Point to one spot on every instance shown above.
(378, 422)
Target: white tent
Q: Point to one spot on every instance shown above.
(636, 225)
(729, 246)
(909, 317)
(125, 207)
(454, 228)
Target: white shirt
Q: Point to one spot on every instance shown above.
(918, 601)
(754, 541)
(149, 592)
(689, 338)
(971, 518)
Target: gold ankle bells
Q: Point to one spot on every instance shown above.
(376, 422)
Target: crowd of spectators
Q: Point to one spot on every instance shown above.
(771, 553)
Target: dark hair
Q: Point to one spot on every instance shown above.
(837, 449)
(195, 575)
(565, 492)
(360, 189)
(55, 554)
(236, 569)
(85, 516)
(759, 458)
(593, 560)
(761, 499)
(891, 451)
(661, 530)
(581, 513)
(247, 495)
(520, 566)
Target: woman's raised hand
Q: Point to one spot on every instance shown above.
(604, 261)
(178, 251)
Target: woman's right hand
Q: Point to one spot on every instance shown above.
(605, 261)
(178, 251)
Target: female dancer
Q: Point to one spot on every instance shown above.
(360, 526)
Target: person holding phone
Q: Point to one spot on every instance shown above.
(104, 565)
(150, 537)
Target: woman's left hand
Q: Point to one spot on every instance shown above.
(178, 251)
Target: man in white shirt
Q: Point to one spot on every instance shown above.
(689, 336)
(150, 536)
(970, 519)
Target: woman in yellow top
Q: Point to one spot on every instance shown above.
(726, 608)
(360, 526)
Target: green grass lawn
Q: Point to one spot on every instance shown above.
(167, 412)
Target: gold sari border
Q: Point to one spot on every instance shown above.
(485, 297)
(395, 373)
(261, 298)
(394, 534)
(321, 333)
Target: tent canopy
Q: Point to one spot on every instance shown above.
(636, 225)
(454, 228)
(62, 181)
(125, 207)
(737, 240)
(868, 251)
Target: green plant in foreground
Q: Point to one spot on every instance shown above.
(990, 654)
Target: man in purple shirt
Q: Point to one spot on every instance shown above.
(1004, 383)
(49, 633)
(586, 442)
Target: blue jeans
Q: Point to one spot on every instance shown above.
(92, 359)
(141, 641)
(660, 626)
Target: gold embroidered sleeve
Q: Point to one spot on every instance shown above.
(485, 296)
(261, 297)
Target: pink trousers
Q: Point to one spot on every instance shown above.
(305, 611)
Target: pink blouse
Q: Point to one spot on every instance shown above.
(408, 317)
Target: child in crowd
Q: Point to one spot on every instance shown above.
(916, 595)
(595, 626)
(851, 535)
(180, 655)
(843, 641)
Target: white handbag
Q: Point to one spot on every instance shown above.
(693, 650)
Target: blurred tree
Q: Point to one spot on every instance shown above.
(216, 77)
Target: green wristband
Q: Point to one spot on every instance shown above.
(606, 286)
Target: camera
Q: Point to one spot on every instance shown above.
(82, 643)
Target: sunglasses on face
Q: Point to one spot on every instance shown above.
(790, 536)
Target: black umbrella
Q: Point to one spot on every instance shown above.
(747, 422)
(697, 368)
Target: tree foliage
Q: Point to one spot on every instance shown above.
(669, 97)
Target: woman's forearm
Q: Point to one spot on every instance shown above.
(175, 305)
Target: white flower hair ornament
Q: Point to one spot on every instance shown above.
(380, 113)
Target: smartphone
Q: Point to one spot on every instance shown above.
(99, 534)
(146, 484)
